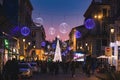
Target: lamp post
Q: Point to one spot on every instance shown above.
(112, 40)
(86, 46)
(24, 47)
(112, 30)
(29, 43)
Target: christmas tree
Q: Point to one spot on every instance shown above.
(57, 55)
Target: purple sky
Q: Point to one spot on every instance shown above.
(55, 12)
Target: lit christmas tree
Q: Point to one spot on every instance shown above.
(57, 56)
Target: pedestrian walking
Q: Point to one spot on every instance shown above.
(72, 65)
(14, 69)
(88, 65)
(7, 71)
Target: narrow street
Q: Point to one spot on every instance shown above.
(78, 76)
(60, 39)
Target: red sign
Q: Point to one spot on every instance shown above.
(108, 51)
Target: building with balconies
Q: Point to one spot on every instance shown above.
(14, 15)
(101, 12)
(115, 34)
(77, 38)
(37, 37)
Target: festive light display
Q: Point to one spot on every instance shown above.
(64, 28)
(15, 30)
(90, 23)
(51, 31)
(77, 34)
(53, 45)
(25, 31)
(43, 44)
(38, 21)
(57, 56)
(64, 44)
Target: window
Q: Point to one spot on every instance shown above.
(104, 42)
(118, 30)
(104, 12)
(33, 34)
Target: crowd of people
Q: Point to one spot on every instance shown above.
(88, 66)
(11, 68)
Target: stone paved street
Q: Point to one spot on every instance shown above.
(78, 76)
(63, 77)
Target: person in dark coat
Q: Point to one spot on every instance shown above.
(14, 69)
(88, 65)
(72, 65)
(7, 71)
(56, 65)
(93, 63)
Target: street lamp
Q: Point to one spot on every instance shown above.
(24, 46)
(23, 40)
(86, 46)
(112, 40)
(112, 30)
(33, 46)
(29, 43)
(98, 16)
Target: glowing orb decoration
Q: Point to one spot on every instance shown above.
(51, 31)
(66, 51)
(38, 21)
(43, 44)
(90, 23)
(63, 53)
(64, 28)
(53, 45)
(25, 31)
(64, 44)
(48, 46)
(78, 34)
(69, 48)
(15, 30)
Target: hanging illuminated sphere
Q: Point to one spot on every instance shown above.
(38, 21)
(69, 48)
(25, 31)
(64, 28)
(51, 31)
(43, 44)
(15, 30)
(77, 34)
(64, 44)
(90, 23)
(53, 45)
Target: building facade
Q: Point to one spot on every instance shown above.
(101, 12)
(12, 22)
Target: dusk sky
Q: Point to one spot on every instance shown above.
(52, 13)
